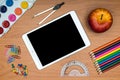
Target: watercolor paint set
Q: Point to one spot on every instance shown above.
(106, 56)
(11, 11)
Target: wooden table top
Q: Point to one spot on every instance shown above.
(27, 23)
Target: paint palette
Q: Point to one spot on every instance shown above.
(11, 11)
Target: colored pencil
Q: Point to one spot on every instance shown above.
(105, 45)
(107, 49)
(107, 66)
(106, 56)
(105, 63)
(110, 52)
(111, 67)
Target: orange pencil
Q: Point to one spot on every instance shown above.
(105, 45)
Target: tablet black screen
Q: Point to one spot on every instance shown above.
(56, 40)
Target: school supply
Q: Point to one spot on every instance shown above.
(68, 71)
(11, 11)
(106, 56)
(12, 53)
(56, 7)
(20, 69)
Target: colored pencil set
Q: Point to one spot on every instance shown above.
(106, 56)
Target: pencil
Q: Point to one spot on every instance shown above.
(108, 53)
(114, 58)
(105, 45)
(111, 67)
(98, 69)
(107, 48)
(111, 64)
(108, 57)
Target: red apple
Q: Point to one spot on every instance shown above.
(100, 20)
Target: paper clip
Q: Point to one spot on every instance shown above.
(56, 7)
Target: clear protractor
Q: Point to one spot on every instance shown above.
(74, 72)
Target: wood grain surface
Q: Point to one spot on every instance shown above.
(27, 23)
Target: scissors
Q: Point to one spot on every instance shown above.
(54, 8)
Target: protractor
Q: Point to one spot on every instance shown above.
(74, 68)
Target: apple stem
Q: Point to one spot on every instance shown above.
(101, 16)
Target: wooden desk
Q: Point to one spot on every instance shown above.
(26, 23)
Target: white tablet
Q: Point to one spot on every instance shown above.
(56, 40)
